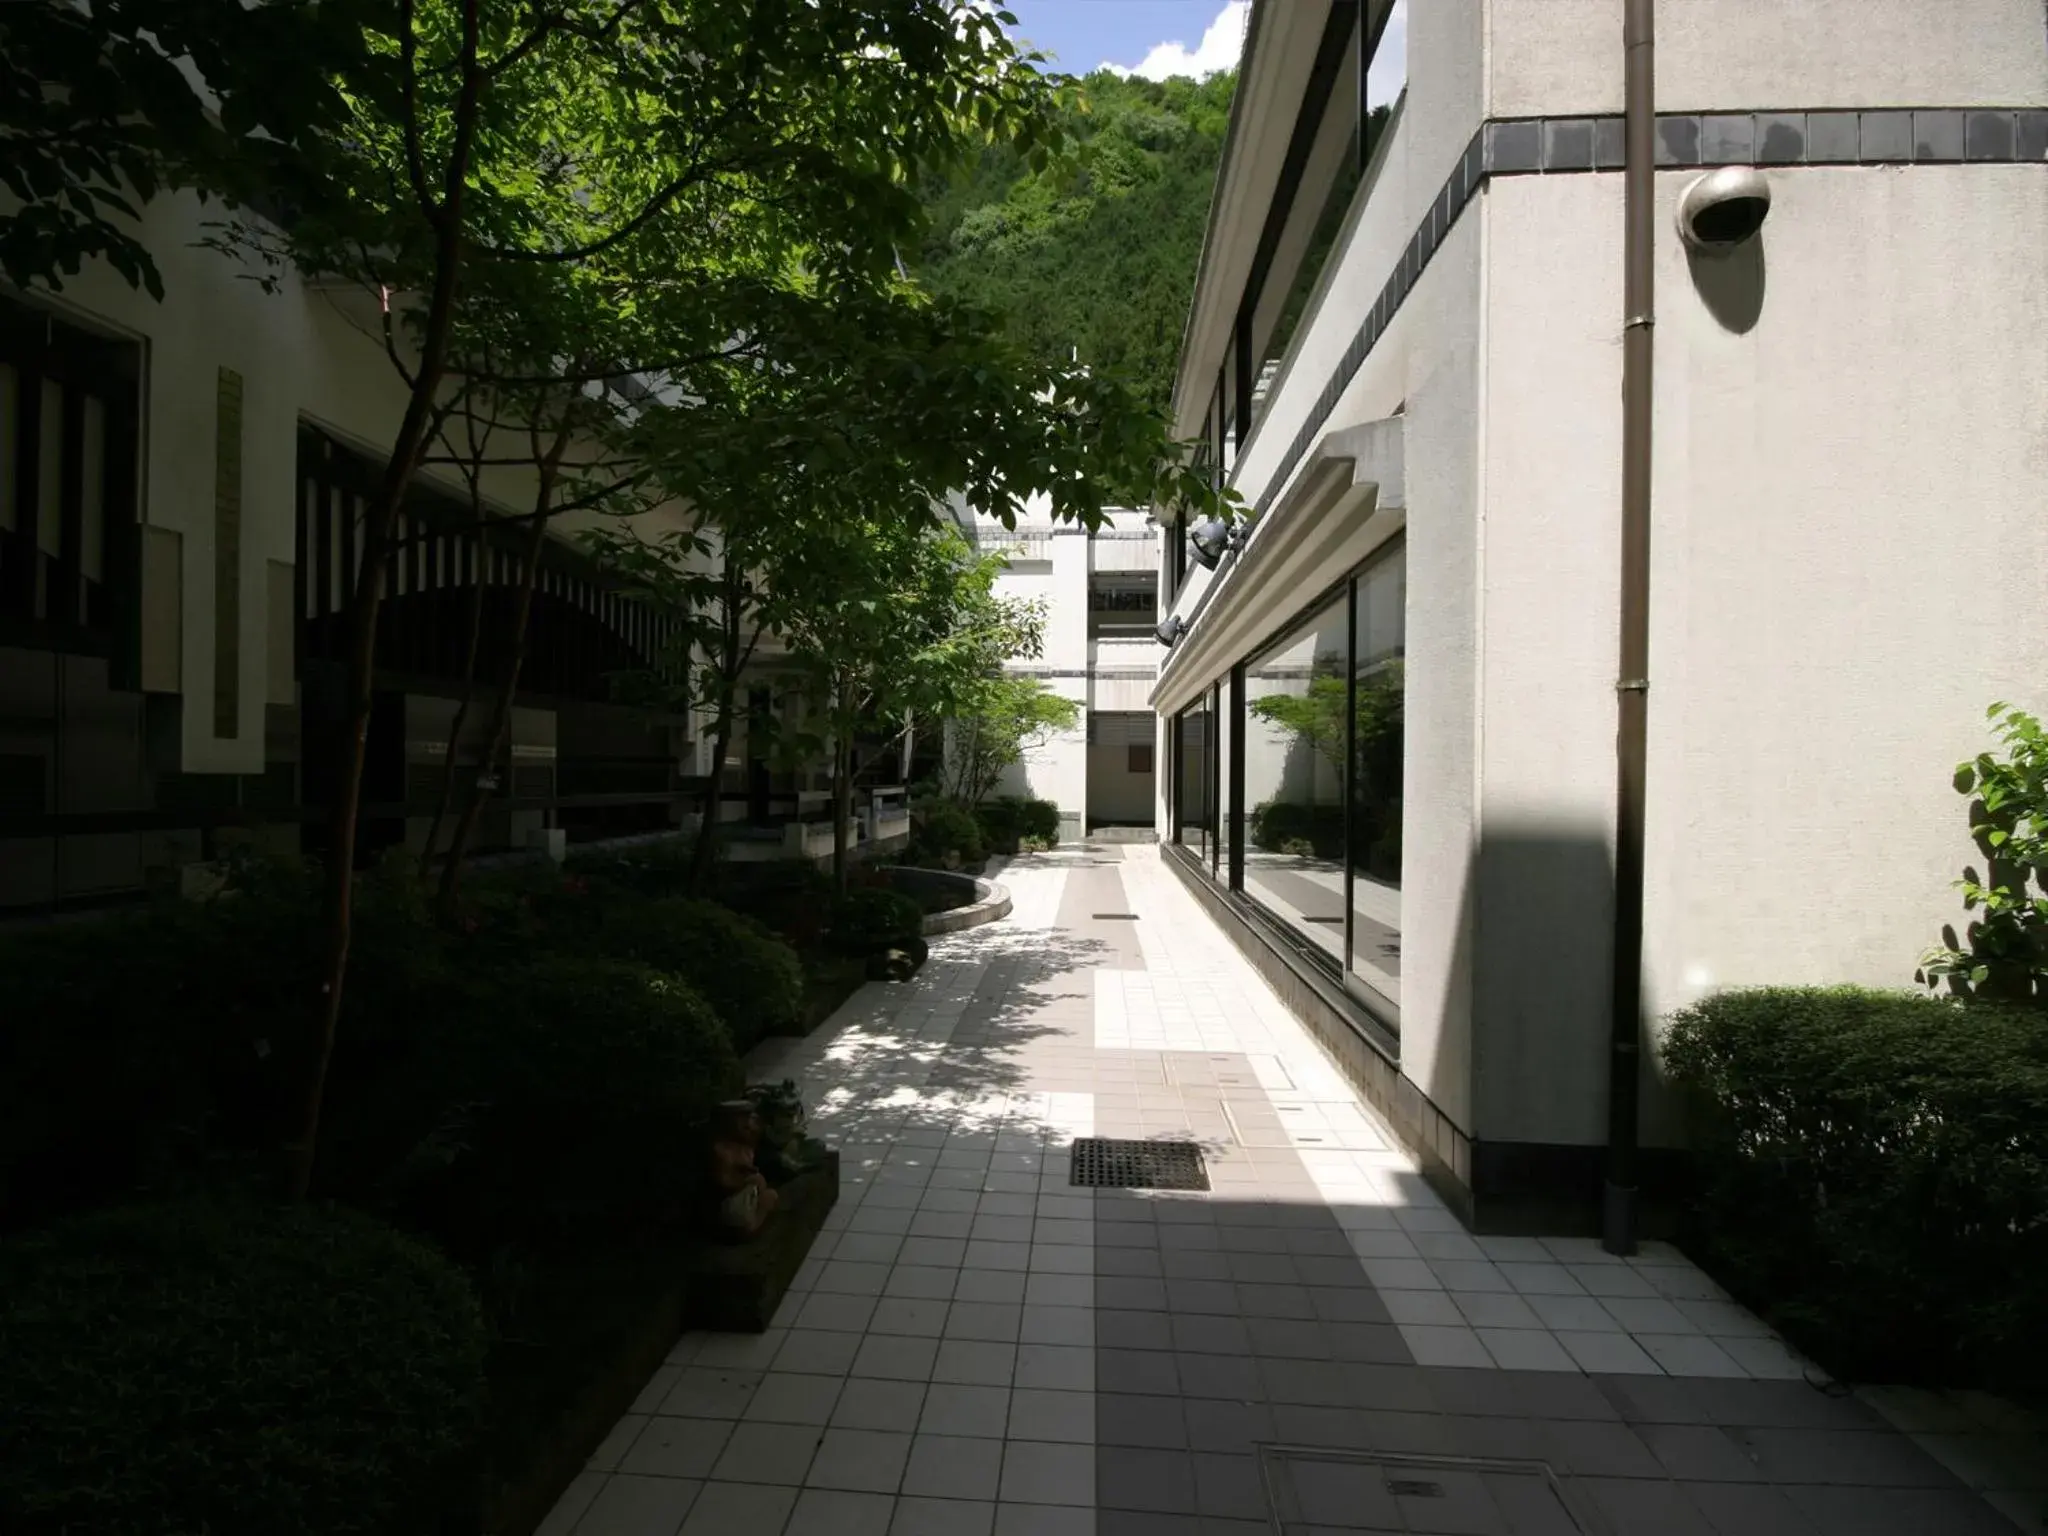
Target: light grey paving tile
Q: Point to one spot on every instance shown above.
(943, 1517)
(1036, 1414)
(999, 1322)
(974, 1362)
(768, 1453)
(833, 1512)
(704, 1393)
(1545, 1278)
(631, 1505)
(910, 1316)
(815, 1352)
(1648, 1314)
(1433, 1345)
(1059, 1367)
(658, 1387)
(837, 1314)
(1526, 1349)
(1577, 1314)
(1619, 1280)
(570, 1507)
(860, 1460)
(1058, 1325)
(954, 1467)
(922, 1282)
(739, 1351)
(1689, 1354)
(1494, 1309)
(1428, 1308)
(1608, 1353)
(952, 1409)
(669, 1447)
(991, 1285)
(787, 1398)
(872, 1403)
(1044, 1520)
(1039, 1472)
(615, 1444)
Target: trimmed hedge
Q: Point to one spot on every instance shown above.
(562, 1099)
(751, 979)
(234, 1369)
(138, 1051)
(1874, 1171)
(945, 830)
(867, 921)
(1008, 822)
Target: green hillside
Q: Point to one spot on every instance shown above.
(1098, 252)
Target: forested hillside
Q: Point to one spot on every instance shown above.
(1098, 252)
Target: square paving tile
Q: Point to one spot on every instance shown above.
(954, 1467)
(862, 1460)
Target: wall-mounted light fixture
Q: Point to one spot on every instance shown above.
(1724, 209)
(1211, 540)
(1170, 629)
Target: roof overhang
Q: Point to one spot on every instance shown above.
(1349, 497)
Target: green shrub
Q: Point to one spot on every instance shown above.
(195, 1367)
(540, 1103)
(1001, 824)
(1041, 819)
(751, 979)
(874, 919)
(2003, 951)
(1278, 823)
(1874, 1173)
(144, 1050)
(944, 831)
(1006, 823)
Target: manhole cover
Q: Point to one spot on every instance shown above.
(1315, 1490)
(1101, 1162)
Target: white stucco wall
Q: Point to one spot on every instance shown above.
(303, 353)
(1849, 555)
(1559, 57)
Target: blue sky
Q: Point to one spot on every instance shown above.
(1158, 38)
(1083, 34)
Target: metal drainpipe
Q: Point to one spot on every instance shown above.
(1624, 1089)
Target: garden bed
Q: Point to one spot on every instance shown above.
(601, 1326)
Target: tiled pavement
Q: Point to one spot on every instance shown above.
(1315, 1346)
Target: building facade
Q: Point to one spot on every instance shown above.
(1100, 593)
(182, 485)
(1392, 713)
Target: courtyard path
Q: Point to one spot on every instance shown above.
(1313, 1346)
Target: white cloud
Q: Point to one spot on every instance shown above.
(1389, 70)
(1218, 49)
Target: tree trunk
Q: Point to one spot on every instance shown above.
(469, 661)
(842, 810)
(501, 714)
(704, 855)
(406, 450)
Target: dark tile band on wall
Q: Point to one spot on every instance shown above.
(1564, 145)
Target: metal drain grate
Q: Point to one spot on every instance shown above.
(1314, 1490)
(1116, 917)
(1101, 1162)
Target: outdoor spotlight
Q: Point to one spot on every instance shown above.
(1210, 539)
(1171, 629)
(1723, 209)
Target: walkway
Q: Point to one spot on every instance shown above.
(1315, 1346)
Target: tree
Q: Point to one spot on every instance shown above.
(103, 107)
(1006, 718)
(672, 145)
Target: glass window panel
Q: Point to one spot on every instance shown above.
(1295, 698)
(1378, 696)
(1194, 810)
